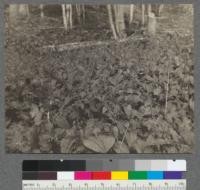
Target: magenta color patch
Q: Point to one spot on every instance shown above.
(83, 175)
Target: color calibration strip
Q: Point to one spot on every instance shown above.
(104, 175)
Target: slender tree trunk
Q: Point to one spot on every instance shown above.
(78, 12)
(143, 14)
(41, 10)
(67, 8)
(16, 10)
(64, 17)
(24, 9)
(160, 8)
(121, 21)
(71, 17)
(152, 23)
(67, 16)
(149, 9)
(13, 12)
(115, 7)
(109, 7)
(132, 8)
(83, 12)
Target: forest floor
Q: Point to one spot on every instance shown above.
(131, 96)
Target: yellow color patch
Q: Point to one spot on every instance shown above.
(122, 175)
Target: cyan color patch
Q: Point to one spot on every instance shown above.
(155, 175)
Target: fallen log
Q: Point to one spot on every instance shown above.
(78, 45)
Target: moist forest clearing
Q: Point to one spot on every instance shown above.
(90, 89)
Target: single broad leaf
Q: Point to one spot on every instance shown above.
(96, 131)
(34, 110)
(49, 125)
(116, 79)
(115, 131)
(100, 144)
(90, 128)
(131, 138)
(67, 144)
(149, 78)
(191, 104)
(137, 98)
(130, 91)
(157, 91)
(104, 109)
(45, 143)
(59, 133)
(155, 141)
(38, 118)
(36, 114)
(188, 136)
(66, 101)
(61, 121)
(91, 123)
(136, 113)
(128, 110)
(121, 147)
(134, 124)
(140, 145)
(175, 136)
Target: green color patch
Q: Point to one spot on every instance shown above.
(137, 175)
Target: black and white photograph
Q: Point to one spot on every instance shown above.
(99, 79)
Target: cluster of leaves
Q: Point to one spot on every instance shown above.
(133, 96)
(128, 93)
(106, 99)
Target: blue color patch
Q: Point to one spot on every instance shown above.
(155, 175)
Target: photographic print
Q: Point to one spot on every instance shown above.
(99, 79)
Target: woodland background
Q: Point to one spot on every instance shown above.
(99, 78)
